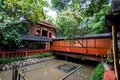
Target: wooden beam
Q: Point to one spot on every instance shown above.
(115, 52)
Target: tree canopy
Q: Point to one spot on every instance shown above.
(16, 16)
(74, 17)
(80, 16)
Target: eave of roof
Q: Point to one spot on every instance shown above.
(103, 35)
(113, 19)
(115, 6)
(35, 38)
(46, 24)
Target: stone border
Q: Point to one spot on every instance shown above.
(23, 63)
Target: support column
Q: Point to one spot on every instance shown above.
(41, 31)
(46, 46)
(115, 52)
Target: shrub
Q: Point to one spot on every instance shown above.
(8, 60)
(43, 55)
(39, 56)
(47, 54)
(98, 72)
(23, 58)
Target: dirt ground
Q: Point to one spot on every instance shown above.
(50, 72)
(83, 73)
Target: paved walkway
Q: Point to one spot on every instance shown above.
(108, 73)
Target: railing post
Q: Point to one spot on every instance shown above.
(18, 76)
(13, 73)
(26, 53)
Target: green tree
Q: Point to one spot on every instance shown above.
(17, 15)
(88, 16)
(67, 22)
(93, 17)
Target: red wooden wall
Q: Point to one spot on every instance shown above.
(95, 46)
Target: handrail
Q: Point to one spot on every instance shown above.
(20, 74)
(22, 51)
(63, 78)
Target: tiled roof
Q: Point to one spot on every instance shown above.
(103, 35)
(115, 5)
(35, 38)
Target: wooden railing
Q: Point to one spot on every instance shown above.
(18, 75)
(18, 53)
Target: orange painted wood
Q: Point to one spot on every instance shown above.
(78, 50)
(94, 46)
(64, 49)
(104, 43)
(70, 49)
(79, 43)
(97, 51)
(18, 53)
(90, 43)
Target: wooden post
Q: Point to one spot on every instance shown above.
(115, 52)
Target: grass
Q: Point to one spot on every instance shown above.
(98, 72)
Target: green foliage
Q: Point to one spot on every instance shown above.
(9, 60)
(79, 17)
(16, 16)
(94, 16)
(98, 72)
(31, 10)
(58, 4)
(43, 55)
(11, 36)
(7, 29)
(47, 54)
(61, 5)
(38, 56)
(67, 23)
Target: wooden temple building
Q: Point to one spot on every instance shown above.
(35, 42)
(40, 37)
